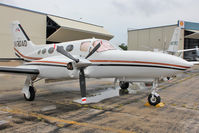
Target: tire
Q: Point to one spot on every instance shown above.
(154, 101)
(124, 85)
(32, 94)
(123, 92)
(168, 78)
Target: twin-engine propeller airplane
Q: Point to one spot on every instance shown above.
(90, 58)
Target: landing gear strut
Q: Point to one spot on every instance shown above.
(28, 89)
(154, 97)
(124, 87)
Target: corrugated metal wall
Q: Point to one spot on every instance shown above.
(152, 38)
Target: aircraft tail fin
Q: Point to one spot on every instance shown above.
(22, 44)
(173, 45)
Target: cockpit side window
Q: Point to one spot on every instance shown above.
(105, 45)
(85, 46)
(69, 48)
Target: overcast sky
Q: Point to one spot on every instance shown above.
(117, 15)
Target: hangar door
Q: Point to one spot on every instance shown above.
(191, 40)
(63, 30)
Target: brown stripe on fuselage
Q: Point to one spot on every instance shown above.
(32, 58)
(142, 62)
(104, 61)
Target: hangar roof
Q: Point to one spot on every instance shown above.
(73, 30)
(132, 29)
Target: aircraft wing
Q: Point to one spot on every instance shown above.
(17, 70)
(10, 59)
(185, 50)
(195, 62)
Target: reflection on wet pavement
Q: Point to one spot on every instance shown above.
(112, 92)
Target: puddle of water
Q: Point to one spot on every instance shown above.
(108, 93)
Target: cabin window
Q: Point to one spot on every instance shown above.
(43, 51)
(69, 48)
(39, 52)
(85, 46)
(50, 50)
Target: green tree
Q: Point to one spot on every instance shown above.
(123, 46)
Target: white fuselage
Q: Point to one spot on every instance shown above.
(125, 65)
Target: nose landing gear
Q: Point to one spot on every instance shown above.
(154, 97)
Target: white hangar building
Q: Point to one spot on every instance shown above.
(159, 37)
(44, 28)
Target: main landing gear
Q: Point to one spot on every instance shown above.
(124, 87)
(154, 97)
(31, 92)
(28, 89)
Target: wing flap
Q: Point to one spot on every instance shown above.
(19, 70)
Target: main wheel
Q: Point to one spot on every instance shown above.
(124, 85)
(123, 92)
(32, 94)
(154, 100)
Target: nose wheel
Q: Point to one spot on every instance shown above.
(154, 97)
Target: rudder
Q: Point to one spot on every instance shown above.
(22, 43)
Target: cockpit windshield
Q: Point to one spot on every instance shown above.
(105, 45)
(87, 46)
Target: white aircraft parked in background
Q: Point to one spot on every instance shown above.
(90, 58)
(174, 44)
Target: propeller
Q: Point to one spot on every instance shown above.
(61, 50)
(82, 83)
(93, 51)
(82, 79)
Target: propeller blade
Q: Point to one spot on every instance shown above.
(82, 83)
(61, 50)
(93, 51)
